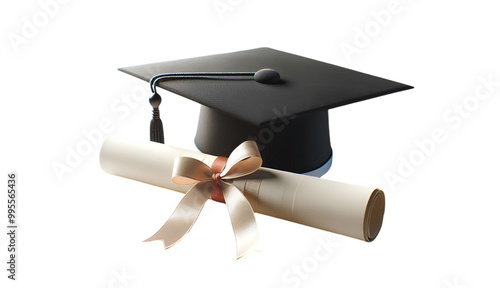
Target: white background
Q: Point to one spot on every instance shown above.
(85, 228)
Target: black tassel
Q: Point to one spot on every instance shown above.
(156, 126)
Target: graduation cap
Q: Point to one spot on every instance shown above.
(278, 99)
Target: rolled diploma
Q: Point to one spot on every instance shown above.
(341, 208)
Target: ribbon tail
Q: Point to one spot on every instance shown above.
(184, 216)
(243, 221)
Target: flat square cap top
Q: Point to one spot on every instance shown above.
(307, 85)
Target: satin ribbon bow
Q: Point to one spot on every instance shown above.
(244, 160)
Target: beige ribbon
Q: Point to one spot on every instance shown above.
(244, 160)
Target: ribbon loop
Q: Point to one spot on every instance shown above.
(188, 171)
(244, 160)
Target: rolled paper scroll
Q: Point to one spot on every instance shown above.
(346, 209)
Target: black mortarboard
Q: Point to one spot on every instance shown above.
(286, 113)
